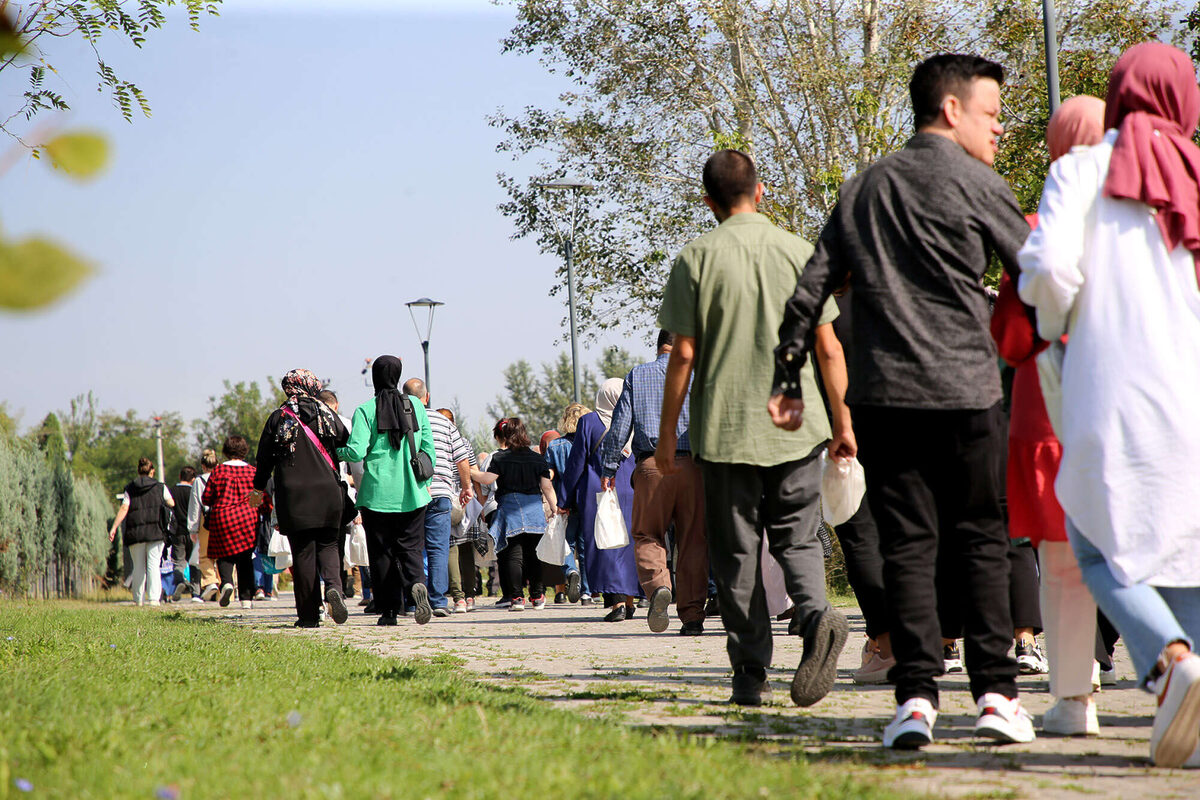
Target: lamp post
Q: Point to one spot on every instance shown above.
(158, 448)
(430, 306)
(1051, 32)
(575, 188)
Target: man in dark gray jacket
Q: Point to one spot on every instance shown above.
(913, 235)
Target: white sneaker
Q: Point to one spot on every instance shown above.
(912, 727)
(226, 594)
(1072, 718)
(1003, 720)
(247, 604)
(1177, 722)
(1108, 677)
(197, 598)
(209, 592)
(1096, 677)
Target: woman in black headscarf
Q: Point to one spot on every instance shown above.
(298, 445)
(392, 498)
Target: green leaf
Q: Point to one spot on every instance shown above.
(36, 272)
(80, 154)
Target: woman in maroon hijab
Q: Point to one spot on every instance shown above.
(1113, 263)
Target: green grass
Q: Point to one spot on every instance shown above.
(98, 701)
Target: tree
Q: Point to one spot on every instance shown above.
(111, 454)
(815, 90)
(242, 410)
(539, 399)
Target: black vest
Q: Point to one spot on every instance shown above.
(144, 522)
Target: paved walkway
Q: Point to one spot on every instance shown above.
(568, 656)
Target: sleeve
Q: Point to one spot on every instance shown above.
(1004, 224)
(678, 312)
(543, 468)
(576, 462)
(824, 274)
(1051, 274)
(459, 449)
(167, 498)
(125, 501)
(356, 446)
(618, 431)
(266, 455)
(210, 494)
(193, 512)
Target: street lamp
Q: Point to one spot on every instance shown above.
(575, 188)
(430, 306)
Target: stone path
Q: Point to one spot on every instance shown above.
(568, 656)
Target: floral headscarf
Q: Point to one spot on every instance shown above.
(302, 387)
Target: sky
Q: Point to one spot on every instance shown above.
(304, 174)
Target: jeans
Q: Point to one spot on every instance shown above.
(437, 549)
(1148, 617)
(575, 558)
(147, 580)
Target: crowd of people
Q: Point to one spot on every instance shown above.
(1025, 450)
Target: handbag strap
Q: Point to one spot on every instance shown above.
(312, 437)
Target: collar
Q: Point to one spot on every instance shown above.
(237, 462)
(746, 218)
(664, 357)
(933, 141)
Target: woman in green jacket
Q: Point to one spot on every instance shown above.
(390, 497)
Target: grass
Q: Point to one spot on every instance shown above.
(100, 701)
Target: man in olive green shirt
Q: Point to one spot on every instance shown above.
(724, 301)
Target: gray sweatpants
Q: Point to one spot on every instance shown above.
(742, 502)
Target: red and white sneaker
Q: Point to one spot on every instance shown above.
(912, 727)
(518, 604)
(1176, 731)
(1003, 721)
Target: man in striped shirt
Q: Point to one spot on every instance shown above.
(452, 455)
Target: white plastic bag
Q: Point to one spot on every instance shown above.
(553, 547)
(280, 549)
(610, 532)
(356, 547)
(843, 484)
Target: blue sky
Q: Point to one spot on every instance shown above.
(304, 174)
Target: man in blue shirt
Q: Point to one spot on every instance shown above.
(659, 499)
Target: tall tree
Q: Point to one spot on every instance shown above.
(242, 409)
(814, 89)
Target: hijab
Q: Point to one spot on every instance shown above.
(606, 399)
(1077, 122)
(1154, 104)
(389, 416)
(302, 387)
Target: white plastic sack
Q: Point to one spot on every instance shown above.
(356, 547)
(610, 531)
(552, 549)
(774, 583)
(843, 484)
(280, 549)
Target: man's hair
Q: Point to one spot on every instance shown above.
(511, 431)
(235, 447)
(187, 473)
(941, 75)
(415, 387)
(665, 337)
(145, 465)
(729, 177)
(327, 396)
(208, 459)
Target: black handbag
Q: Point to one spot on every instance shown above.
(422, 464)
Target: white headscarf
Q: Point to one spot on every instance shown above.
(606, 401)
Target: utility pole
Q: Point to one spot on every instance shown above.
(1051, 30)
(158, 447)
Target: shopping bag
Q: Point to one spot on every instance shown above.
(553, 547)
(843, 484)
(280, 549)
(356, 548)
(610, 532)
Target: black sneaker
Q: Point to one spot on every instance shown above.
(300, 623)
(750, 687)
(692, 629)
(574, 581)
(560, 598)
(369, 608)
(712, 608)
(422, 612)
(951, 659)
(386, 620)
(817, 671)
(1031, 660)
(337, 605)
(441, 611)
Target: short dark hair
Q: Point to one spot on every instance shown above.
(948, 73)
(145, 465)
(511, 431)
(187, 473)
(729, 176)
(327, 396)
(235, 447)
(665, 337)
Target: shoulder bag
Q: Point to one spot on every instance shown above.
(422, 464)
(349, 510)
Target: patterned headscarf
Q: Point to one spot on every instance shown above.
(302, 387)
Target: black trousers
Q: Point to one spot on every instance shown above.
(314, 557)
(518, 563)
(859, 538)
(1024, 595)
(244, 564)
(935, 476)
(396, 547)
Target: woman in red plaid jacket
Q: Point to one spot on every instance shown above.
(231, 522)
